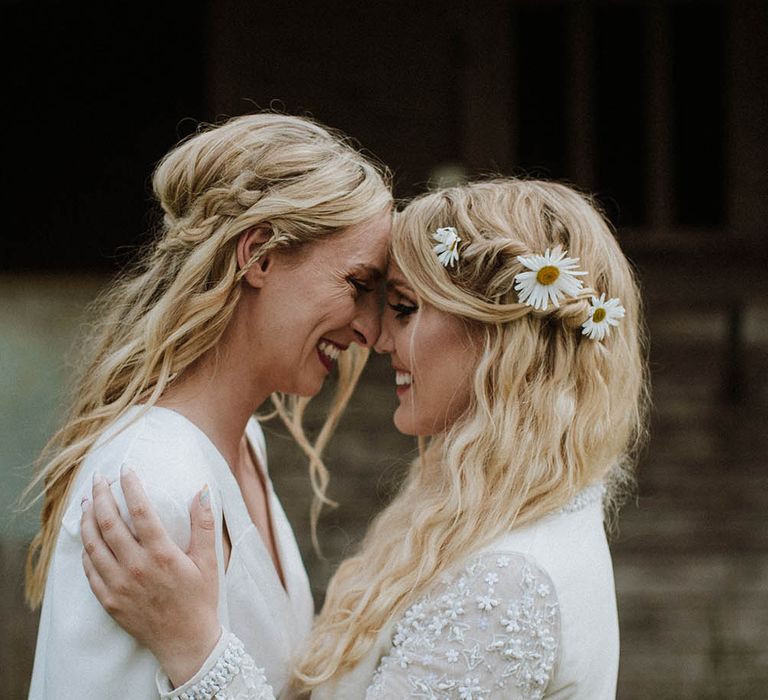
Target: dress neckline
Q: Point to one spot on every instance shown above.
(589, 495)
(236, 514)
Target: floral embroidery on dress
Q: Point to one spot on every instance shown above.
(234, 676)
(490, 630)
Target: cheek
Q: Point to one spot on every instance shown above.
(438, 354)
(464, 377)
(447, 383)
(446, 387)
(339, 308)
(399, 334)
(326, 313)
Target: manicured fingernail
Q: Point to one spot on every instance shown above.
(97, 478)
(205, 497)
(126, 469)
(85, 503)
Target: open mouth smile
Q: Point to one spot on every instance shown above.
(329, 352)
(403, 381)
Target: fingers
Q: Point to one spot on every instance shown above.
(110, 523)
(146, 522)
(202, 542)
(95, 581)
(100, 559)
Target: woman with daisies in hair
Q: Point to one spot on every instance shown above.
(514, 326)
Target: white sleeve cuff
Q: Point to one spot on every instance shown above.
(164, 685)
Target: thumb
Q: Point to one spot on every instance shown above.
(202, 541)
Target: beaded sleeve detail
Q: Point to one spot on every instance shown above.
(488, 631)
(591, 494)
(234, 676)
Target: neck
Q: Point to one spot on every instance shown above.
(218, 396)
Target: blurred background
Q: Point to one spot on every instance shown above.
(661, 108)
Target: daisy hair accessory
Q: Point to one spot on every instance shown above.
(602, 315)
(548, 277)
(447, 247)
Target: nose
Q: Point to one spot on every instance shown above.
(384, 342)
(367, 324)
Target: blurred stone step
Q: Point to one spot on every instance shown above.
(665, 676)
(671, 574)
(661, 531)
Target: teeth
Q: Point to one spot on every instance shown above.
(329, 350)
(403, 378)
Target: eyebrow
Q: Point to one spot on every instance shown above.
(371, 270)
(393, 284)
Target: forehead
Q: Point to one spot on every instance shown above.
(363, 246)
(395, 277)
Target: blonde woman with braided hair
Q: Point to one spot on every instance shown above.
(514, 326)
(260, 281)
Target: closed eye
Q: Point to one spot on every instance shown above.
(358, 285)
(402, 310)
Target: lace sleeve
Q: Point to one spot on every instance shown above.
(229, 673)
(489, 631)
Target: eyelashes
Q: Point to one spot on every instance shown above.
(359, 286)
(402, 310)
(402, 305)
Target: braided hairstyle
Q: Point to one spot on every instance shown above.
(288, 174)
(551, 411)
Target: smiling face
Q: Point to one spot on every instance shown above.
(311, 305)
(434, 357)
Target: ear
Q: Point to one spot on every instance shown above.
(248, 245)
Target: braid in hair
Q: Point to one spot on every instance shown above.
(290, 175)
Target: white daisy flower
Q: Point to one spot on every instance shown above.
(550, 277)
(602, 315)
(447, 248)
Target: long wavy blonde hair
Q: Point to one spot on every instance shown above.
(286, 173)
(551, 412)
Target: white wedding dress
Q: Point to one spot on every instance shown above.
(81, 652)
(531, 616)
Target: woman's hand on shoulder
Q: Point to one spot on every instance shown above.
(163, 597)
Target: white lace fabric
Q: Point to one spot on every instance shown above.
(228, 674)
(492, 628)
(489, 631)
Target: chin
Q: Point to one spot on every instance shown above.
(308, 392)
(409, 425)
(306, 389)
